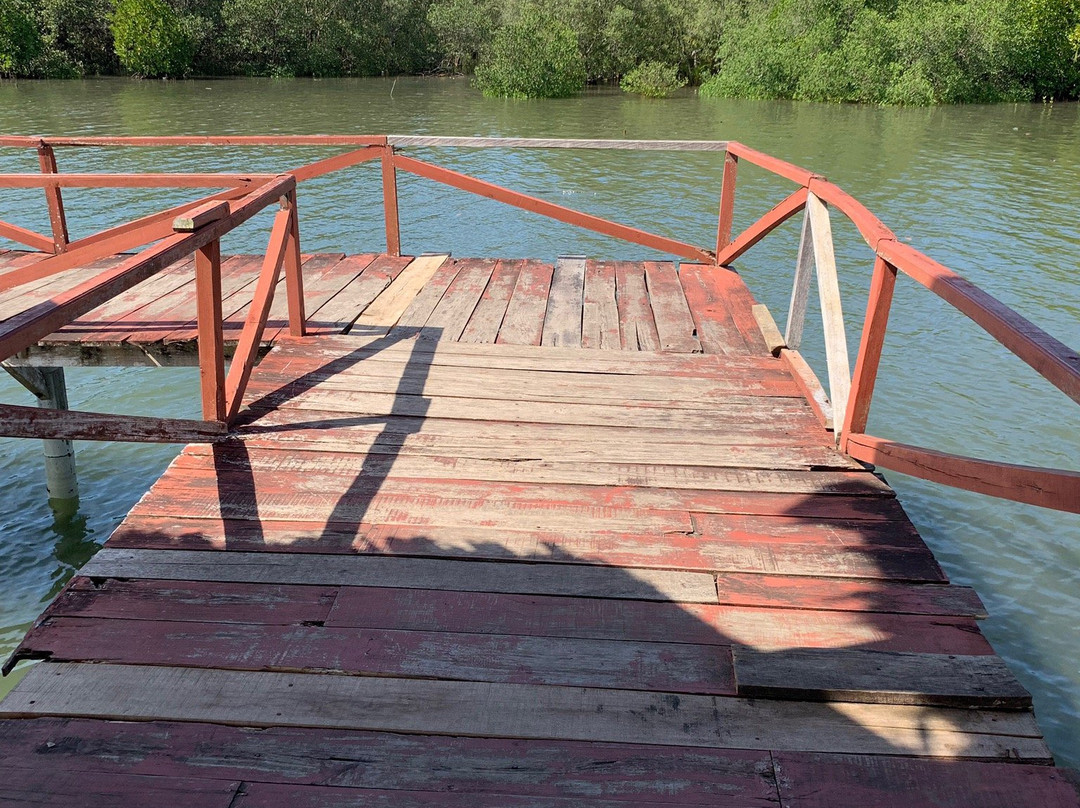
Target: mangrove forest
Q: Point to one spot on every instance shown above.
(915, 52)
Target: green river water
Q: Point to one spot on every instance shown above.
(991, 191)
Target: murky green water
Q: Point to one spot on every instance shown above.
(991, 191)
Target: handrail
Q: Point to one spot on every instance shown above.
(851, 394)
(197, 231)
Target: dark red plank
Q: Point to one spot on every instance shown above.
(537, 615)
(542, 769)
(378, 652)
(834, 781)
(42, 786)
(200, 601)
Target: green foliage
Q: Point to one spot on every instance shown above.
(76, 37)
(870, 51)
(463, 29)
(20, 42)
(653, 80)
(914, 52)
(150, 39)
(328, 37)
(534, 56)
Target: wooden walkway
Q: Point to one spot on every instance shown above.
(605, 305)
(450, 558)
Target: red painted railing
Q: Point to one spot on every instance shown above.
(196, 229)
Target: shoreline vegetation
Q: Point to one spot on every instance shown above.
(905, 52)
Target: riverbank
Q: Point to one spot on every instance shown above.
(934, 175)
(917, 52)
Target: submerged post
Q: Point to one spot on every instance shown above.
(47, 385)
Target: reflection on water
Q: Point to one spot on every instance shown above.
(990, 191)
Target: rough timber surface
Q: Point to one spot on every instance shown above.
(527, 534)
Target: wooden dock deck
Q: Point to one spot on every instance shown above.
(458, 557)
(498, 533)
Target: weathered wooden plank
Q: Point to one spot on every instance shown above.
(412, 321)
(43, 787)
(324, 275)
(387, 460)
(407, 573)
(552, 440)
(637, 327)
(674, 323)
(456, 307)
(808, 780)
(748, 409)
(534, 357)
(433, 764)
(341, 311)
(33, 422)
(513, 387)
(487, 317)
(523, 323)
(517, 711)
(818, 593)
(199, 601)
(704, 624)
(677, 391)
(557, 537)
(600, 309)
(316, 489)
(562, 322)
(137, 305)
(618, 664)
(716, 329)
(388, 307)
(774, 340)
(173, 318)
(253, 795)
(881, 677)
(25, 296)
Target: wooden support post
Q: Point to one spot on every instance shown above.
(882, 285)
(47, 385)
(832, 315)
(390, 202)
(294, 278)
(727, 202)
(211, 342)
(57, 219)
(800, 291)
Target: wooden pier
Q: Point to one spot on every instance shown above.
(494, 532)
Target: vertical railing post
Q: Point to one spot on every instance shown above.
(294, 278)
(390, 201)
(211, 340)
(871, 345)
(800, 290)
(832, 314)
(727, 202)
(57, 219)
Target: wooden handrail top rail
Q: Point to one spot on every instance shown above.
(132, 180)
(26, 328)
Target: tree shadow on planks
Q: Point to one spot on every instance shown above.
(523, 596)
(232, 461)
